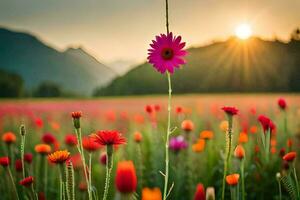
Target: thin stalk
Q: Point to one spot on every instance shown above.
(90, 169)
(267, 147)
(233, 192)
(166, 175)
(80, 149)
(109, 166)
(63, 192)
(243, 180)
(33, 194)
(228, 153)
(296, 180)
(279, 189)
(70, 182)
(13, 183)
(285, 124)
(22, 154)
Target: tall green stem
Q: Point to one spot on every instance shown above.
(109, 166)
(22, 154)
(243, 180)
(13, 183)
(80, 149)
(90, 169)
(279, 189)
(296, 180)
(228, 153)
(166, 175)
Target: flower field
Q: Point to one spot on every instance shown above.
(50, 150)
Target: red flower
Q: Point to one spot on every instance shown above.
(282, 103)
(200, 192)
(126, 180)
(18, 165)
(48, 138)
(76, 115)
(266, 123)
(76, 161)
(106, 137)
(4, 161)
(27, 181)
(289, 157)
(178, 110)
(28, 157)
(282, 152)
(39, 122)
(89, 144)
(230, 110)
(71, 140)
(103, 158)
(157, 107)
(149, 109)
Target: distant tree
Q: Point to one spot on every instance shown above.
(11, 84)
(296, 34)
(48, 89)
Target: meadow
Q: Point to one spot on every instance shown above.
(197, 147)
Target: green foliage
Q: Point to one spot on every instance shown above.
(48, 89)
(11, 84)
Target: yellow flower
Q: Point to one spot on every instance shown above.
(223, 126)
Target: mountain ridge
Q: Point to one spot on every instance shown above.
(254, 65)
(37, 62)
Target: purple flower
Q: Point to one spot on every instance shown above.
(177, 143)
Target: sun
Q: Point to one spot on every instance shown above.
(243, 31)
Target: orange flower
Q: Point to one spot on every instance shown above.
(232, 179)
(59, 157)
(187, 125)
(9, 137)
(138, 136)
(206, 134)
(224, 126)
(199, 146)
(253, 129)
(239, 152)
(289, 157)
(273, 142)
(151, 194)
(42, 148)
(273, 150)
(55, 126)
(243, 137)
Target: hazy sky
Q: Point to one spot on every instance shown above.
(122, 29)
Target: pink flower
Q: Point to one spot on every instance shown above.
(166, 53)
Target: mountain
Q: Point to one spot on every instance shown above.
(254, 65)
(74, 70)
